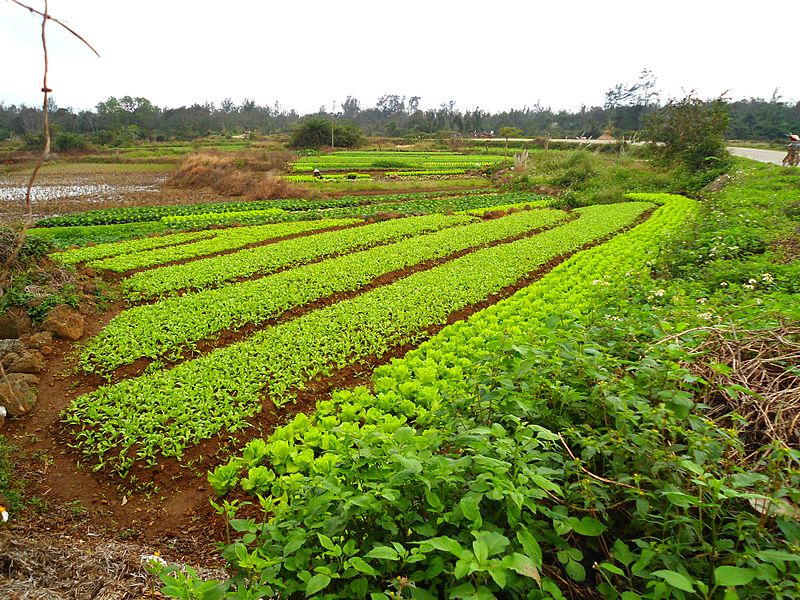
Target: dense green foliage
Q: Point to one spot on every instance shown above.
(689, 132)
(581, 177)
(317, 131)
(552, 441)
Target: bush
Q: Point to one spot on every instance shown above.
(66, 141)
(315, 132)
(689, 132)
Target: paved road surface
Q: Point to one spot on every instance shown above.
(767, 156)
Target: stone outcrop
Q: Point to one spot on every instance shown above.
(40, 340)
(18, 393)
(64, 322)
(28, 361)
(14, 323)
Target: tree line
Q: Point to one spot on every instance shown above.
(125, 120)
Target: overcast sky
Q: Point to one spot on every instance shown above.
(494, 54)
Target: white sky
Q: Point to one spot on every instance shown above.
(494, 54)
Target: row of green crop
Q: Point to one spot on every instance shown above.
(65, 237)
(154, 213)
(434, 204)
(173, 324)
(99, 251)
(165, 412)
(429, 172)
(212, 271)
(395, 160)
(403, 204)
(224, 240)
(244, 217)
(328, 177)
(479, 212)
(394, 165)
(348, 206)
(440, 466)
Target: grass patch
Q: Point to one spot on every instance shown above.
(580, 177)
(9, 486)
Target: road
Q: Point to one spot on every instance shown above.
(767, 156)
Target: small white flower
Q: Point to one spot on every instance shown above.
(759, 301)
(154, 559)
(752, 281)
(723, 284)
(768, 277)
(701, 300)
(747, 286)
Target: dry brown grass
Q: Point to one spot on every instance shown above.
(44, 566)
(753, 373)
(249, 174)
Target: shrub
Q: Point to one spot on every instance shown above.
(315, 132)
(66, 141)
(689, 132)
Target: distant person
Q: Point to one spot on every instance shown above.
(317, 174)
(792, 158)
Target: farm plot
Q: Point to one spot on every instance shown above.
(267, 259)
(173, 324)
(395, 161)
(165, 412)
(136, 254)
(408, 456)
(119, 224)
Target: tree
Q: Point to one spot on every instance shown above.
(690, 132)
(315, 132)
(509, 132)
(641, 93)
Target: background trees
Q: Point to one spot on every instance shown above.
(120, 121)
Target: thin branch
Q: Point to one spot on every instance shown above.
(588, 472)
(48, 17)
(6, 269)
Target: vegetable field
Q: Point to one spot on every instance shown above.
(452, 394)
(412, 368)
(352, 295)
(395, 161)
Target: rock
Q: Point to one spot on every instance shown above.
(46, 350)
(14, 323)
(18, 393)
(40, 340)
(9, 358)
(7, 346)
(719, 183)
(30, 361)
(64, 322)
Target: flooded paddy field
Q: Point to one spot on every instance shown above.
(62, 188)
